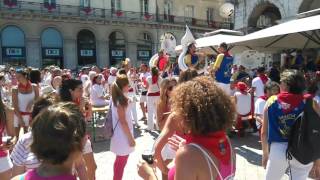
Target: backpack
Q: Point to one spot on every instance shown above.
(304, 144)
(108, 124)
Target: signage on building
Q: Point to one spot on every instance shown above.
(13, 52)
(86, 53)
(117, 54)
(144, 54)
(52, 52)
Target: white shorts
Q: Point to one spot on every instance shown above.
(87, 147)
(143, 98)
(168, 153)
(225, 87)
(5, 164)
(25, 118)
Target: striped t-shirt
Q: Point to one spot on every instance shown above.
(22, 155)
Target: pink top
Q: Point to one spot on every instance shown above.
(33, 175)
(2, 153)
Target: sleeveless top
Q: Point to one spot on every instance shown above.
(119, 141)
(223, 74)
(25, 99)
(191, 59)
(279, 122)
(33, 175)
(2, 153)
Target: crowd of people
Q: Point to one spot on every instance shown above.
(43, 117)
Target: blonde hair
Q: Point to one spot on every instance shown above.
(116, 90)
(164, 99)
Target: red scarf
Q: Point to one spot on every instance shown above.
(263, 78)
(26, 87)
(154, 79)
(216, 143)
(264, 97)
(289, 101)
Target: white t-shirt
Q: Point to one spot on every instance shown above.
(95, 95)
(259, 106)
(111, 79)
(153, 88)
(243, 103)
(144, 76)
(84, 78)
(258, 84)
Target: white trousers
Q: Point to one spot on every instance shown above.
(152, 110)
(225, 87)
(133, 106)
(278, 163)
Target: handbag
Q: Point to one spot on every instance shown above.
(108, 124)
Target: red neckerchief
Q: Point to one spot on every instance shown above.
(23, 87)
(216, 143)
(227, 54)
(289, 101)
(264, 97)
(244, 92)
(263, 78)
(77, 101)
(154, 79)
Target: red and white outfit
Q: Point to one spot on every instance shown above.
(243, 105)
(153, 97)
(23, 102)
(143, 77)
(132, 96)
(259, 83)
(119, 144)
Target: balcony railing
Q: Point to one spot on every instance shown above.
(105, 14)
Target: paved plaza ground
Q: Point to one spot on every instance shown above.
(248, 150)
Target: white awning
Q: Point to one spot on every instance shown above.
(212, 41)
(298, 33)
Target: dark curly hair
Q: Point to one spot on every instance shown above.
(205, 107)
(57, 132)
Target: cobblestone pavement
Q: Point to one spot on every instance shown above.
(248, 150)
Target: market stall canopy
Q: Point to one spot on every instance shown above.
(296, 34)
(215, 39)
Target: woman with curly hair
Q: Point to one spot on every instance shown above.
(205, 111)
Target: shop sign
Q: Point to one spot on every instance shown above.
(52, 52)
(117, 53)
(13, 51)
(86, 53)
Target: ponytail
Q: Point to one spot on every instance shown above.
(116, 91)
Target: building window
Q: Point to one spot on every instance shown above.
(210, 14)
(85, 3)
(189, 11)
(144, 6)
(116, 5)
(168, 9)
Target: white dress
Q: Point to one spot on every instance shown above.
(119, 141)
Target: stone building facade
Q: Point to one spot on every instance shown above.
(74, 33)
(252, 15)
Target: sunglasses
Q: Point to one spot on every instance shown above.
(170, 88)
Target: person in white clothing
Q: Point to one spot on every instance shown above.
(122, 141)
(153, 96)
(132, 94)
(259, 82)
(97, 92)
(112, 77)
(143, 79)
(23, 97)
(243, 105)
(270, 89)
(88, 84)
